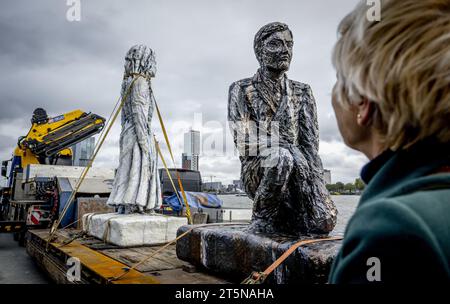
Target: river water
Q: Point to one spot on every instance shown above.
(239, 208)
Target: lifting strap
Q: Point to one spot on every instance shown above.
(188, 210)
(103, 136)
(128, 269)
(260, 277)
(91, 160)
(168, 173)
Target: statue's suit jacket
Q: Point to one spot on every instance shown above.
(296, 116)
(285, 178)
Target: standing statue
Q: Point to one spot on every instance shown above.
(136, 186)
(281, 169)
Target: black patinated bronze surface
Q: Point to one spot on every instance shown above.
(233, 253)
(274, 123)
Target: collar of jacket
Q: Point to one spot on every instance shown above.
(371, 168)
(267, 88)
(408, 170)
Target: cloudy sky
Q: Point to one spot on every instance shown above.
(201, 47)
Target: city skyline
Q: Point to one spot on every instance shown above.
(61, 66)
(190, 156)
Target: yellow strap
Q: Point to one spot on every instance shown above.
(260, 277)
(127, 270)
(188, 210)
(86, 169)
(167, 169)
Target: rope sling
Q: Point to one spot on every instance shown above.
(255, 277)
(260, 277)
(103, 135)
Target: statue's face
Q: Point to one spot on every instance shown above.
(276, 53)
(140, 59)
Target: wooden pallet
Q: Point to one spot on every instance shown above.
(100, 261)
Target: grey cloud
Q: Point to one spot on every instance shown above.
(6, 144)
(201, 48)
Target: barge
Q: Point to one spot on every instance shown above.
(101, 262)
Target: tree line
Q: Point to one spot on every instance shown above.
(349, 188)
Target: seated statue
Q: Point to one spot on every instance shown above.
(274, 125)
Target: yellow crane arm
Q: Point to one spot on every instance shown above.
(51, 137)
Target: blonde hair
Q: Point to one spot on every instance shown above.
(402, 64)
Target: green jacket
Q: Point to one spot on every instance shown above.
(403, 220)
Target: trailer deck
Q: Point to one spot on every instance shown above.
(100, 261)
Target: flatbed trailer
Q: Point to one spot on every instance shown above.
(100, 261)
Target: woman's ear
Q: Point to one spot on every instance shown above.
(365, 110)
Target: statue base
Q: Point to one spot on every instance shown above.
(234, 253)
(126, 230)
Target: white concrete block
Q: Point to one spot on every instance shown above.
(128, 230)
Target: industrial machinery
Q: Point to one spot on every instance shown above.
(191, 179)
(49, 139)
(33, 200)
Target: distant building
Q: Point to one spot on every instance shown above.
(82, 152)
(231, 188)
(186, 161)
(212, 186)
(190, 157)
(327, 177)
(190, 180)
(238, 184)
